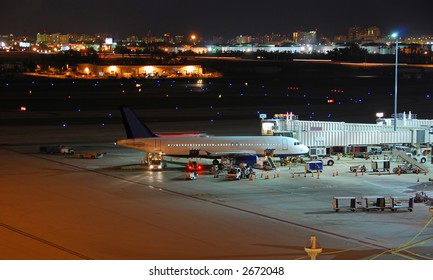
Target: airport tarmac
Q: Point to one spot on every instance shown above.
(63, 207)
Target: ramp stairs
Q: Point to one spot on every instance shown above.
(408, 159)
(271, 163)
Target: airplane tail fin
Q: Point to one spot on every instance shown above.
(134, 127)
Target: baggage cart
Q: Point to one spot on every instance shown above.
(380, 165)
(401, 202)
(344, 202)
(373, 202)
(312, 166)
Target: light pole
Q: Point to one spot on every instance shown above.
(395, 35)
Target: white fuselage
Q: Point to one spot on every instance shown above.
(214, 146)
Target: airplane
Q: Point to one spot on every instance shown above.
(140, 137)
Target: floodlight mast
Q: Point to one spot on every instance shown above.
(395, 35)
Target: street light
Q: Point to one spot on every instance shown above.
(395, 36)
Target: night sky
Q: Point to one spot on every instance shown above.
(212, 18)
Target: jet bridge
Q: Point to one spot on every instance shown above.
(341, 135)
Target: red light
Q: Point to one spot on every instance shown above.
(331, 101)
(23, 108)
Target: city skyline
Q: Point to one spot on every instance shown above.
(207, 19)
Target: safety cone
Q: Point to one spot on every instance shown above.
(333, 174)
(389, 172)
(336, 173)
(251, 177)
(299, 174)
(417, 171)
(379, 173)
(293, 174)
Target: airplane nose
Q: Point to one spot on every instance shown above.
(304, 149)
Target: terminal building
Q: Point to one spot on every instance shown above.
(141, 71)
(344, 137)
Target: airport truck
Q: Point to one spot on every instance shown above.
(93, 155)
(154, 162)
(58, 149)
(234, 174)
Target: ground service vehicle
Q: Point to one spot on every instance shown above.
(156, 164)
(194, 166)
(234, 174)
(58, 149)
(91, 155)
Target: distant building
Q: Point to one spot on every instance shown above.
(55, 38)
(141, 71)
(373, 33)
(340, 38)
(364, 35)
(302, 37)
(355, 33)
(43, 38)
(243, 39)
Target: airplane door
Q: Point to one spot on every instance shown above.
(285, 144)
(157, 145)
